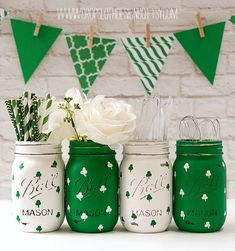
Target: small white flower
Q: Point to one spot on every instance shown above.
(83, 172)
(68, 181)
(204, 197)
(103, 188)
(186, 167)
(68, 208)
(84, 216)
(108, 210)
(109, 165)
(79, 196)
(207, 225)
(181, 193)
(182, 214)
(100, 227)
(208, 174)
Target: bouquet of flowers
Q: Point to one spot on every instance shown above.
(103, 120)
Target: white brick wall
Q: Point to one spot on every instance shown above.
(191, 91)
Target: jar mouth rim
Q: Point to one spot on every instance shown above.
(196, 142)
(147, 143)
(36, 143)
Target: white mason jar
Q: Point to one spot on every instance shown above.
(38, 186)
(146, 187)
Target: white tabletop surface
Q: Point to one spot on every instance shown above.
(119, 239)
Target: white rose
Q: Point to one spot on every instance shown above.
(106, 121)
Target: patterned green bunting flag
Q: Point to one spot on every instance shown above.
(203, 51)
(232, 19)
(148, 62)
(89, 62)
(3, 14)
(31, 49)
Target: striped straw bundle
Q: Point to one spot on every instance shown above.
(29, 116)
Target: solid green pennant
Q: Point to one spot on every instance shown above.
(203, 51)
(232, 19)
(31, 49)
(89, 62)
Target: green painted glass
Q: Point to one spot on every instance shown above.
(199, 186)
(91, 187)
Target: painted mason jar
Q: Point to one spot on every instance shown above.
(199, 186)
(146, 187)
(38, 186)
(91, 187)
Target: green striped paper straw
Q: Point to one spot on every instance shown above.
(26, 113)
(35, 136)
(12, 117)
(19, 117)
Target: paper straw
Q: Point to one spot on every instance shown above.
(12, 117)
(26, 112)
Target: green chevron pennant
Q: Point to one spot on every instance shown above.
(148, 62)
(31, 49)
(203, 51)
(3, 14)
(232, 19)
(89, 62)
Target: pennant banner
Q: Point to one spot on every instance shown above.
(31, 49)
(89, 62)
(232, 19)
(3, 14)
(203, 51)
(148, 62)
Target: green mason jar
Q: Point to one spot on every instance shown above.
(199, 186)
(91, 187)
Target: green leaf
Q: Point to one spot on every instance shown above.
(153, 223)
(130, 168)
(39, 229)
(149, 197)
(21, 166)
(134, 216)
(38, 203)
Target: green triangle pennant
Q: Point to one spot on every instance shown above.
(148, 62)
(232, 19)
(89, 62)
(203, 51)
(31, 49)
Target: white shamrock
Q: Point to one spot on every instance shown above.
(182, 214)
(225, 190)
(186, 167)
(225, 213)
(84, 216)
(108, 210)
(103, 188)
(207, 225)
(68, 208)
(175, 174)
(68, 181)
(100, 227)
(208, 174)
(181, 192)
(83, 172)
(79, 196)
(204, 197)
(109, 165)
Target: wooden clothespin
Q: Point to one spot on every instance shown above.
(199, 25)
(90, 36)
(38, 25)
(147, 34)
